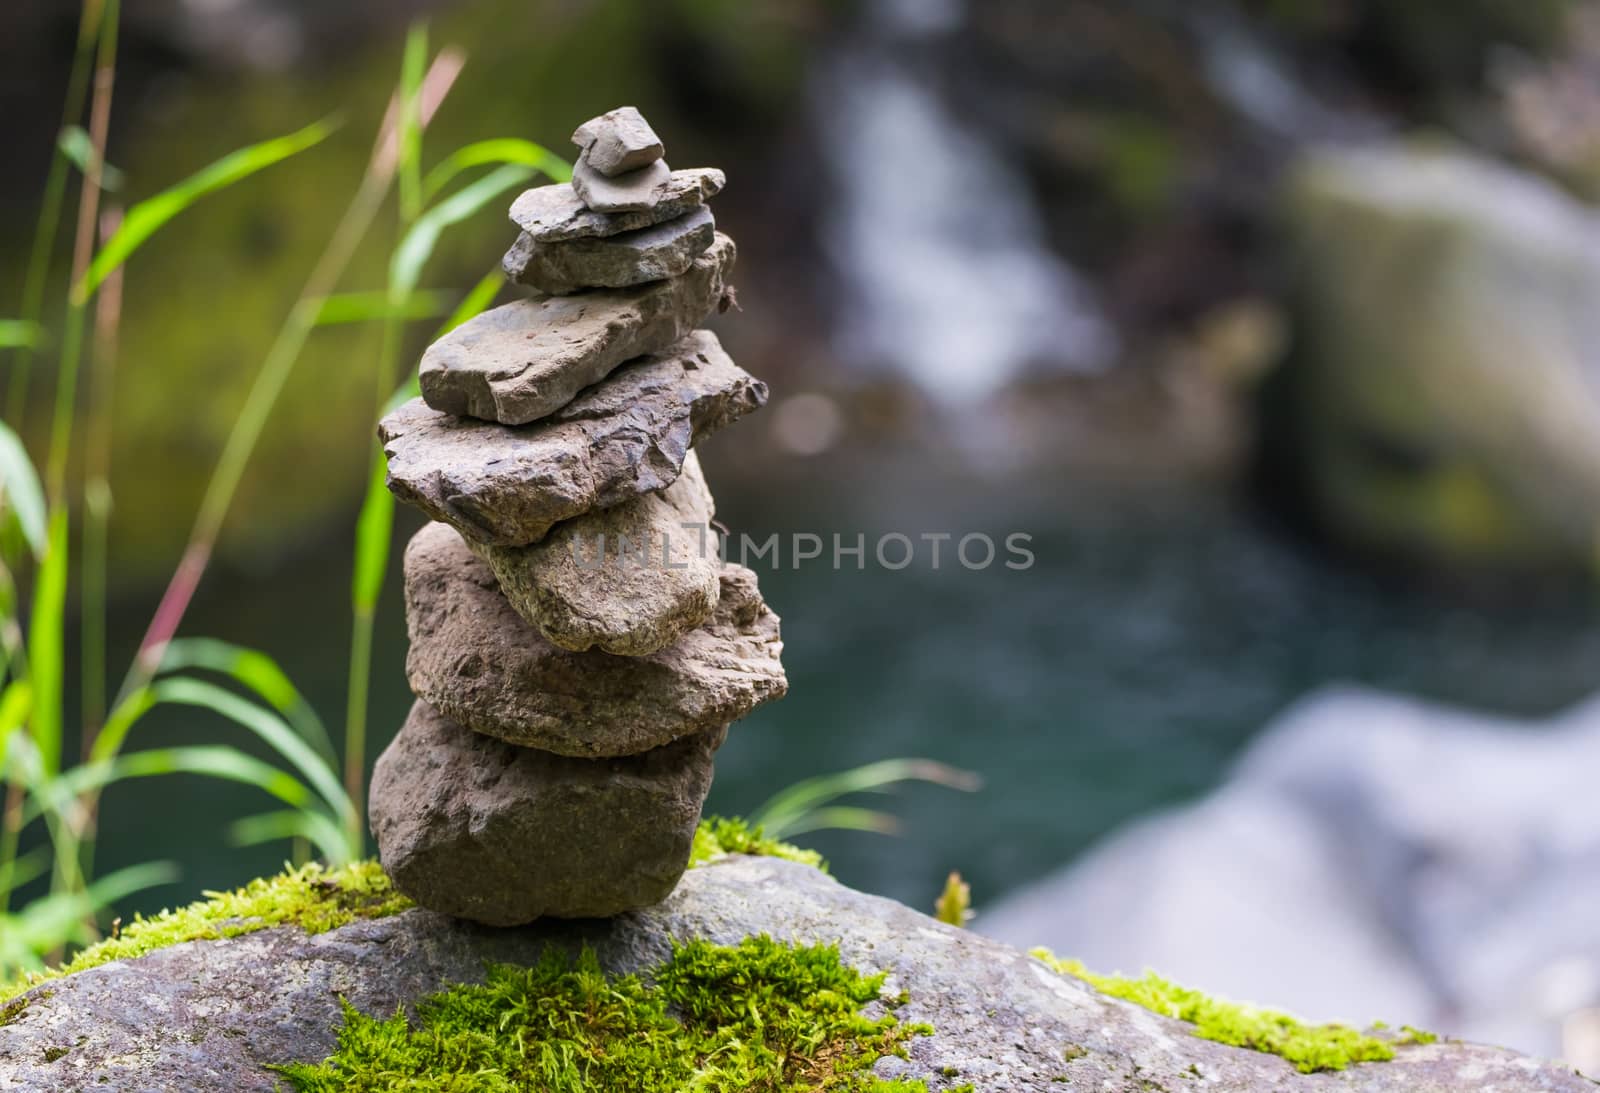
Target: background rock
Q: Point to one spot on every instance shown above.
(522, 360)
(480, 829)
(1371, 855)
(476, 659)
(1447, 392)
(629, 580)
(629, 436)
(207, 1016)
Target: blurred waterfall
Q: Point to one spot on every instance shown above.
(946, 274)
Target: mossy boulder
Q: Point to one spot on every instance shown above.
(846, 991)
(1445, 398)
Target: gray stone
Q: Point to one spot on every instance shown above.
(1447, 356)
(618, 141)
(547, 214)
(1371, 854)
(627, 580)
(480, 829)
(211, 1016)
(519, 362)
(613, 261)
(633, 192)
(478, 661)
(507, 486)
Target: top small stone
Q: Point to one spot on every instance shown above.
(618, 142)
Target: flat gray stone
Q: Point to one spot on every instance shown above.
(618, 141)
(507, 486)
(627, 580)
(211, 1016)
(520, 362)
(613, 261)
(633, 192)
(481, 663)
(555, 212)
(476, 828)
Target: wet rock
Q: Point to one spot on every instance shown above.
(627, 580)
(549, 214)
(519, 362)
(618, 141)
(507, 486)
(481, 663)
(613, 261)
(480, 829)
(212, 1016)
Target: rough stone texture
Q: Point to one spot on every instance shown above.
(613, 261)
(548, 214)
(209, 1016)
(1447, 361)
(476, 828)
(633, 192)
(522, 361)
(476, 659)
(618, 141)
(505, 486)
(627, 580)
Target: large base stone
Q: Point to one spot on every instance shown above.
(625, 437)
(614, 261)
(628, 580)
(477, 660)
(519, 362)
(212, 1016)
(482, 830)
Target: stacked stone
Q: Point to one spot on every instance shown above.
(578, 649)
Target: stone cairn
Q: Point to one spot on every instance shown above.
(578, 649)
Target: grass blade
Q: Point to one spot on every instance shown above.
(78, 147)
(264, 723)
(147, 217)
(313, 827)
(361, 307)
(503, 150)
(257, 671)
(412, 66)
(20, 490)
(22, 334)
(211, 760)
(405, 269)
(793, 809)
(840, 818)
(46, 667)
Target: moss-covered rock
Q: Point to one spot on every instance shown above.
(805, 983)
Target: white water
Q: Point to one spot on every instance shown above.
(946, 274)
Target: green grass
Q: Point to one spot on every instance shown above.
(1310, 1048)
(757, 1016)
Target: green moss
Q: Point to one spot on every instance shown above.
(312, 897)
(718, 837)
(1309, 1047)
(318, 899)
(760, 1015)
(51, 1054)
